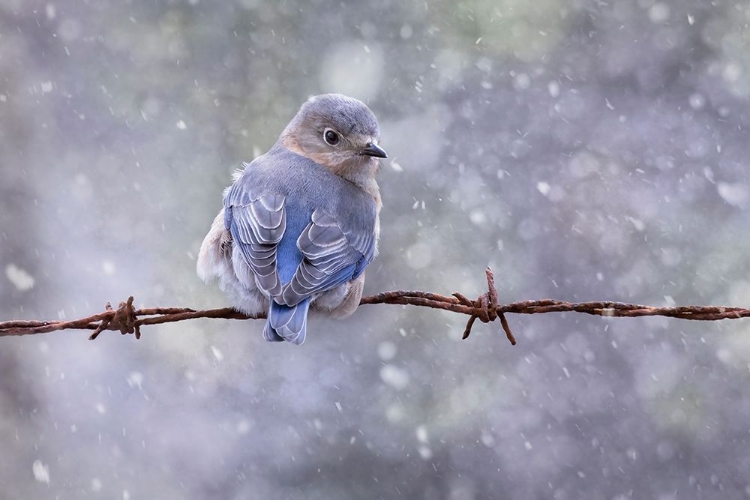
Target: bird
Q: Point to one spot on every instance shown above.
(300, 223)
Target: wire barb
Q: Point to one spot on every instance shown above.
(486, 308)
(123, 318)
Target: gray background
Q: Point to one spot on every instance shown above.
(585, 150)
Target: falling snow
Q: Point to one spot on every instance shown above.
(21, 279)
(396, 377)
(543, 188)
(734, 193)
(135, 379)
(583, 150)
(218, 355)
(40, 471)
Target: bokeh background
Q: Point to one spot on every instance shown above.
(585, 150)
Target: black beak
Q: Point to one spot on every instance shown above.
(373, 149)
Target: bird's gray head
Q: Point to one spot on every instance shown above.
(335, 131)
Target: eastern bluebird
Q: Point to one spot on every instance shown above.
(300, 223)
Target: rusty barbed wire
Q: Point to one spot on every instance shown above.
(487, 308)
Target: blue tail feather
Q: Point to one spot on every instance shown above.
(287, 323)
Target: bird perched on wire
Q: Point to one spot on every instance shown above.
(300, 223)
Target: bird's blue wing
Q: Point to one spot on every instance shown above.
(332, 255)
(257, 225)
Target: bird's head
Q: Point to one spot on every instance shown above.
(337, 132)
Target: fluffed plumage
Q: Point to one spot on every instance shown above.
(300, 223)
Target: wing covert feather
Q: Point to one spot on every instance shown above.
(332, 256)
(258, 227)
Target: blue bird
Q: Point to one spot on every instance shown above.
(301, 223)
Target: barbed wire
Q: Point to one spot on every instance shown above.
(127, 319)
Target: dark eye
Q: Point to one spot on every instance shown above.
(331, 137)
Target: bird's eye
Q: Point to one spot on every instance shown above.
(331, 137)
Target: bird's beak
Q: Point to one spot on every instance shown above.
(372, 149)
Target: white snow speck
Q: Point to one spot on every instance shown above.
(20, 278)
(50, 11)
(669, 301)
(477, 217)
(527, 445)
(338, 407)
(181, 125)
(735, 194)
(637, 224)
(3, 97)
(487, 439)
(421, 433)
(522, 81)
(396, 167)
(125, 495)
(394, 376)
(732, 72)
(217, 353)
(697, 101)
(724, 355)
(659, 13)
(96, 484)
(387, 350)
(425, 452)
(41, 472)
(135, 379)
(101, 408)
(709, 175)
(553, 88)
(108, 267)
(691, 19)
(543, 188)
(46, 87)
(243, 427)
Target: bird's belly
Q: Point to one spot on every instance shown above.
(341, 301)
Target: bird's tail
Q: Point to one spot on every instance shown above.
(287, 323)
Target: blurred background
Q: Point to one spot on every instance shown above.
(585, 150)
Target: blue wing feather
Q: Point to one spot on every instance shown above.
(331, 257)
